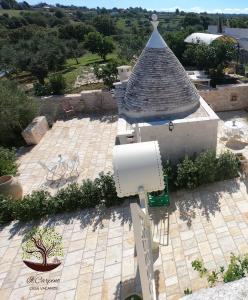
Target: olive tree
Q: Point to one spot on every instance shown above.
(16, 111)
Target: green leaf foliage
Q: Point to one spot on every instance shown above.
(16, 111)
(38, 204)
(237, 269)
(206, 168)
(8, 165)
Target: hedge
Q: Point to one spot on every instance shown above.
(41, 203)
(189, 173)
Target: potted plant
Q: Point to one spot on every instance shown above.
(10, 186)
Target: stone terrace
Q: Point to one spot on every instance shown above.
(208, 223)
(91, 137)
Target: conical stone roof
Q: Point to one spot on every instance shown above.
(159, 87)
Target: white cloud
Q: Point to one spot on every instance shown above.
(198, 9)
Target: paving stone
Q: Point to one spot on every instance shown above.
(19, 293)
(204, 248)
(169, 267)
(70, 272)
(112, 271)
(67, 285)
(73, 258)
(66, 295)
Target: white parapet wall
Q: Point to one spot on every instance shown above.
(189, 136)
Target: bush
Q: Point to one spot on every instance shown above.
(206, 168)
(41, 90)
(8, 164)
(227, 166)
(236, 270)
(40, 203)
(57, 84)
(187, 174)
(31, 207)
(107, 191)
(16, 111)
(6, 210)
(108, 73)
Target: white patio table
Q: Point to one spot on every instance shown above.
(233, 128)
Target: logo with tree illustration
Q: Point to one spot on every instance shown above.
(41, 248)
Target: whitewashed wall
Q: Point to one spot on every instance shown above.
(187, 137)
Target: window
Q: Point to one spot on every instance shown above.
(234, 98)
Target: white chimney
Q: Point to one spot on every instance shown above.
(124, 72)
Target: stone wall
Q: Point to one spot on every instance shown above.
(223, 98)
(85, 102)
(227, 97)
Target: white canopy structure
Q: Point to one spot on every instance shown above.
(137, 166)
(202, 38)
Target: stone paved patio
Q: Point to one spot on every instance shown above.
(233, 145)
(208, 223)
(91, 137)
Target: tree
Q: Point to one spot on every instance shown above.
(7, 53)
(40, 55)
(77, 32)
(16, 111)
(96, 43)
(176, 42)
(108, 73)
(130, 47)
(59, 14)
(106, 47)
(38, 67)
(42, 243)
(74, 49)
(104, 25)
(215, 56)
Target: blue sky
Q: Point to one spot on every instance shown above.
(225, 6)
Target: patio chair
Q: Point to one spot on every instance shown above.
(51, 171)
(68, 109)
(73, 164)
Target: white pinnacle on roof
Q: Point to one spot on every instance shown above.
(156, 40)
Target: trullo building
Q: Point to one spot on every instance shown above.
(159, 102)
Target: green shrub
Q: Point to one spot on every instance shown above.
(57, 84)
(187, 291)
(227, 166)
(41, 90)
(237, 269)
(75, 197)
(187, 174)
(40, 203)
(206, 166)
(16, 111)
(106, 186)
(32, 207)
(6, 210)
(8, 164)
(90, 194)
(199, 267)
